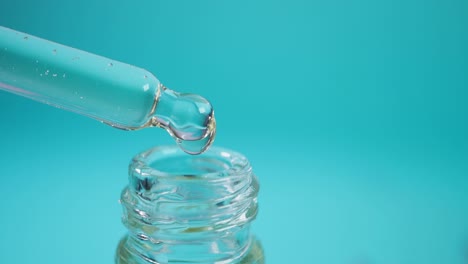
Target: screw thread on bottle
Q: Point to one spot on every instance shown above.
(180, 208)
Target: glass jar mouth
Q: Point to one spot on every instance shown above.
(177, 203)
(170, 163)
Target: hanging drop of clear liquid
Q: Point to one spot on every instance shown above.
(189, 118)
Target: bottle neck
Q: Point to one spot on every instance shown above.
(189, 209)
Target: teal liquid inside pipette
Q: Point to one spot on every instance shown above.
(115, 93)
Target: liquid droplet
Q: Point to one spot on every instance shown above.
(196, 147)
(189, 118)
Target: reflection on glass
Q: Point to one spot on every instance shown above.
(115, 93)
(181, 208)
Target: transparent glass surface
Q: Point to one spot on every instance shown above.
(353, 114)
(180, 208)
(115, 93)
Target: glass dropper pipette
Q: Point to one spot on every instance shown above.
(115, 93)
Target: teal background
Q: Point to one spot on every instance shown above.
(354, 115)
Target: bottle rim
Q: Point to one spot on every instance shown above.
(217, 164)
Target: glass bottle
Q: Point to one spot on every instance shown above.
(180, 208)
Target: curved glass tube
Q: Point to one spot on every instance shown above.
(115, 93)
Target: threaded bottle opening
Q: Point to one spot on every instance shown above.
(177, 203)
